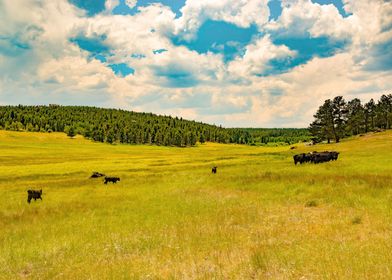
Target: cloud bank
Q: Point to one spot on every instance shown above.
(253, 63)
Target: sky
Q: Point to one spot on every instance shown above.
(236, 63)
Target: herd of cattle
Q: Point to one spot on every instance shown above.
(315, 157)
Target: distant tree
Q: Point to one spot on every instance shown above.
(323, 127)
(339, 117)
(29, 127)
(193, 138)
(384, 107)
(202, 138)
(369, 114)
(71, 132)
(355, 116)
(110, 137)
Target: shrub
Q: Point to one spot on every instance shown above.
(311, 203)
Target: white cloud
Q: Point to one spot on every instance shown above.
(303, 17)
(257, 57)
(131, 3)
(242, 13)
(111, 4)
(41, 65)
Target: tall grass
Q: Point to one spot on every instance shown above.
(259, 217)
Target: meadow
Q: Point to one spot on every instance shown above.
(259, 217)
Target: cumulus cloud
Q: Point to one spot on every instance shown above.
(257, 57)
(303, 18)
(111, 4)
(242, 13)
(130, 3)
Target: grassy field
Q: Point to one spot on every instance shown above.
(259, 217)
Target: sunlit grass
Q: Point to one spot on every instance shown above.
(259, 217)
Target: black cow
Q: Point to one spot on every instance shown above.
(214, 169)
(321, 157)
(301, 158)
(334, 155)
(111, 179)
(324, 156)
(34, 194)
(97, 175)
(298, 159)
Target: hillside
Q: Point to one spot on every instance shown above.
(111, 125)
(259, 217)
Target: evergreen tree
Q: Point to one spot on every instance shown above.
(323, 127)
(385, 111)
(355, 117)
(202, 138)
(370, 113)
(71, 132)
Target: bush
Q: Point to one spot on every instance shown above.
(311, 203)
(357, 220)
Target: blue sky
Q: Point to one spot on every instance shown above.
(253, 63)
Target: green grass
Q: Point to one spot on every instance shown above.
(259, 217)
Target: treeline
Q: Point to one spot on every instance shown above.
(337, 119)
(112, 125)
(278, 135)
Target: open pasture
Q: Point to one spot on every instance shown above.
(259, 217)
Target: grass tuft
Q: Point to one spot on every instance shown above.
(356, 220)
(311, 203)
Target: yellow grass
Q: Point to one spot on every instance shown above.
(259, 217)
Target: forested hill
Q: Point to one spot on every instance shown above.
(112, 125)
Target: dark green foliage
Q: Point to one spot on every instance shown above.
(71, 132)
(336, 119)
(111, 126)
(286, 136)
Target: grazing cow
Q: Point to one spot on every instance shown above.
(34, 194)
(298, 158)
(214, 169)
(325, 156)
(111, 179)
(97, 175)
(321, 157)
(301, 158)
(334, 155)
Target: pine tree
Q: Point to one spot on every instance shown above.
(355, 116)
(370, 113)
(202, 138)
(71, 132)
(323, 127)
(339, 117)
